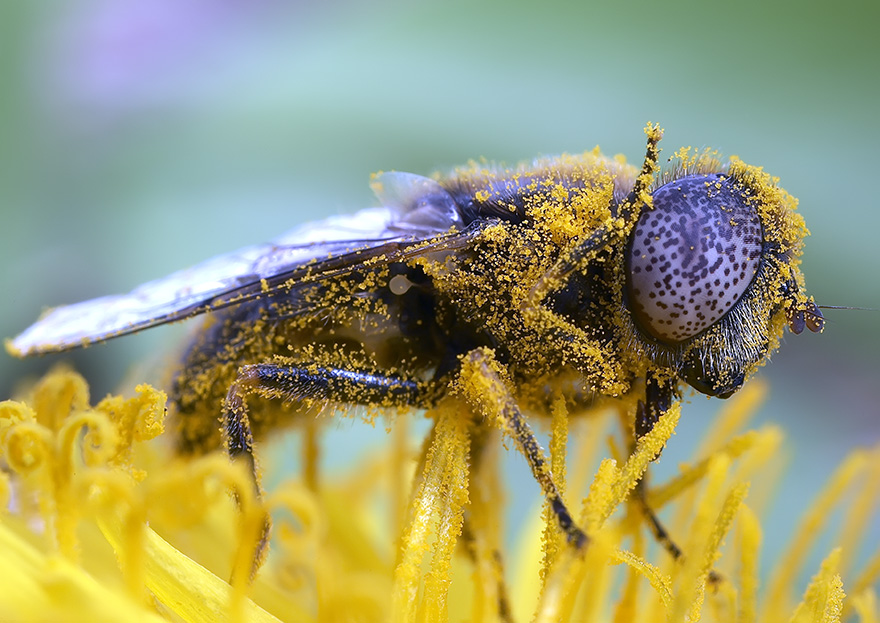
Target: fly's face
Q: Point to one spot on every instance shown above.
(711, 273)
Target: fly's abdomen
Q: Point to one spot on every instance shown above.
(373, 321)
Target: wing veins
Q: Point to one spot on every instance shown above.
(298, 276)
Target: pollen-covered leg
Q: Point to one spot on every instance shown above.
(482, 384)
(580, 350)
(659, 396)
(657, 528)
(661, 534)
(289, 383)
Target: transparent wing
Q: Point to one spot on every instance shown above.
(417, 210)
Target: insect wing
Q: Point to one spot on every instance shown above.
(421, 205)
(417, 209)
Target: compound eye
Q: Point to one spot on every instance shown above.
(692, 257)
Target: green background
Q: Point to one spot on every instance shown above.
(138, 138)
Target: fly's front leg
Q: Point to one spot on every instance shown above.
(660, 393)
(579, 349)
(302, 382)
(483, 386)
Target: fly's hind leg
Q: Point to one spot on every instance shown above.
(301, 382)
(483, 385)
(290, 383)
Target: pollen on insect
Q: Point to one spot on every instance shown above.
(500, 287)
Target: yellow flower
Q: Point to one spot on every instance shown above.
(103, 523)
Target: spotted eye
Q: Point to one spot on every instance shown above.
(692, 257)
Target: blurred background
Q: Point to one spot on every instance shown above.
(139, 138)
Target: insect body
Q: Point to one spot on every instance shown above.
(575, 273)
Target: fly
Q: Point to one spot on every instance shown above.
(574, 275)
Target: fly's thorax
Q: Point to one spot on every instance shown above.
(566, 194)
(530, 215)
(533, 215)
(707, 271)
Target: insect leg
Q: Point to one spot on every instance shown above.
(478, 529)
(661, 534)
(627, 215)
(659, 395)
(483, 386)
(658, 398)
(504, 608)
(290, 382)
(560, 331)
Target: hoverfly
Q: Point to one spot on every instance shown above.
(574, 273)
